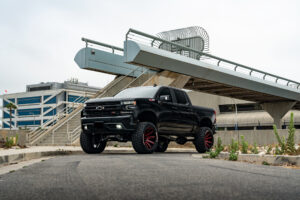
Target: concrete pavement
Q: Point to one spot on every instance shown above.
(157, 176)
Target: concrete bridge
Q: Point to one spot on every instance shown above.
(212, 75)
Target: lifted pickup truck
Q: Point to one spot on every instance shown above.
(150, 117)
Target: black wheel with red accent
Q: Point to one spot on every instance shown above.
(145, 139)
(91, 145)
(204, 140)
(162, 145)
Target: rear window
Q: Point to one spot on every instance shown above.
(138, 92)
(180, 96)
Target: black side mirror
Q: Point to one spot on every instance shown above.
(164, 98)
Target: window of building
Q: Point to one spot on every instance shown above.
(25, 112)
(51, 113)
(6, 115)
(29, 100)
(32, 89)
(29, 123)
(51, 101)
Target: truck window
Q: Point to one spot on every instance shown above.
(164, 92)
(180, 96)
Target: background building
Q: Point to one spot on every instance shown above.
(42, 101)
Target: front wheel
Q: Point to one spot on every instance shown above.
(204, 140)
(145, 139)
(91, 145)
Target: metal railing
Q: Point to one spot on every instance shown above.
(53, 120)
(36, 135)
(153, 41)
(103, 46)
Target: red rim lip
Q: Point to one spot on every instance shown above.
(208, 139)
(149, 137)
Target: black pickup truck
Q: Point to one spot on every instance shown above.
(150, 117)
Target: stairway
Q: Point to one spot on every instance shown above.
(66, 129)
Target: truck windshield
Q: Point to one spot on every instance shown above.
(138, 92)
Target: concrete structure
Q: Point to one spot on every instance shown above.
(42, 101)
(235, 114)
(148, 60)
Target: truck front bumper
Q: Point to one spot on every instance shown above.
(108, 125)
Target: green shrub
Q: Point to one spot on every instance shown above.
(281, 142)
(290, 143)
(233, 156)
(254, 149)
(245, 145)
(218, 148)
(286, 146)
(9, 142)
(234, 147)
(213, 154)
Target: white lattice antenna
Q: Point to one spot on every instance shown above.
(188, 36)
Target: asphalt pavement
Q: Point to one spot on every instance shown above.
(156, 176)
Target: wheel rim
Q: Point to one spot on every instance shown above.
(149, 137)
(208, 140)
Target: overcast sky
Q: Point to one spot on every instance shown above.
(39, 39)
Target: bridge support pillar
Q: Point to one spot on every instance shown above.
(277, 110)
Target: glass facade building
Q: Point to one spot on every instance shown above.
(42, 101)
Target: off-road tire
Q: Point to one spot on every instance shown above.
(87, 144)
(199, 141)
(138, 138)
(162, 145)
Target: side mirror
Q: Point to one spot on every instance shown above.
(164, 98)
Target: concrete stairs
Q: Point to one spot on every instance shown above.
(67, 130)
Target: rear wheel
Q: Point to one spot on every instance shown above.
(91, 145)
(204, 140)
(145, 139)
(162, 145)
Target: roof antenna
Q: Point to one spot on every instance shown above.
(154, 85)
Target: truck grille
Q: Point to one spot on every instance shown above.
(102, 109)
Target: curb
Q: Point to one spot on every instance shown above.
(15, 158)
(259, 159)
(19, 157)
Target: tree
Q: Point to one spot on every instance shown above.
(10, 107)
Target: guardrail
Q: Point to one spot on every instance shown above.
(111, 48)
(153, 41)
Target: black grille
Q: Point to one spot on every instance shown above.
(103, 109)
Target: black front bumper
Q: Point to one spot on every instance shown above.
(108, 125)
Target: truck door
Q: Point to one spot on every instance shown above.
(185, 119)
(166, 119)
